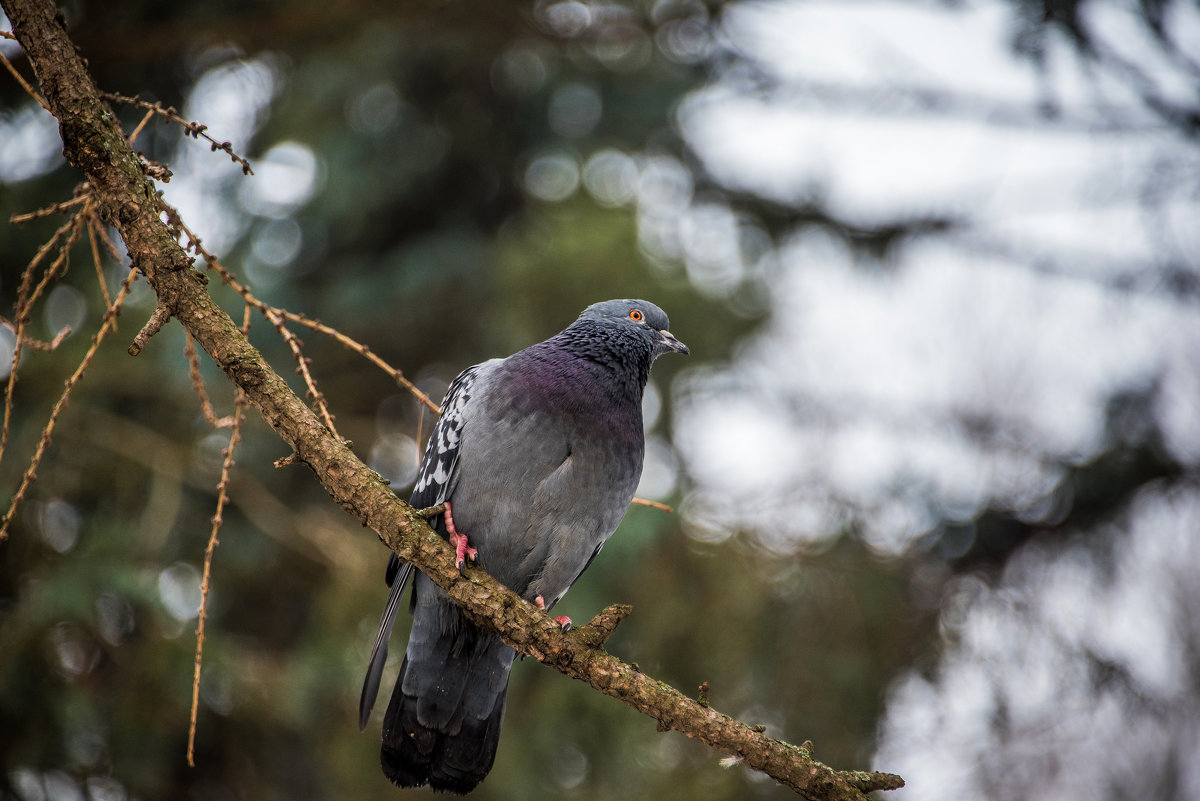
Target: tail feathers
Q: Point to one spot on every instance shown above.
(450, 759)
(379, 650)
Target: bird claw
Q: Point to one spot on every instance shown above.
(563, 621)
(462, 550)
(462, 553)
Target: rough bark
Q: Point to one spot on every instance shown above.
(94, 143)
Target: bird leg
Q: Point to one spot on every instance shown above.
(563, 621)
(462, 551)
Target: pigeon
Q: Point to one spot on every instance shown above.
(536, 458)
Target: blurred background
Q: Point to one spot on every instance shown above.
(936, 454)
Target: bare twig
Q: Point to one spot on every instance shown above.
(56, 270)
(206, 407)
(284, 461)
(30, 475)
(195, 129)
(37, 344)
(102, 233)
(653, 505)
(235, 437)
(274, 315)
(367, 354)
(20, 79)
(157, 320)
(26, 295)
(277, 315)
(93, 223)
(57, 208)
(275, 318)
(137, 131)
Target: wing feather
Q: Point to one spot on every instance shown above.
(435, 481)
(439, 466)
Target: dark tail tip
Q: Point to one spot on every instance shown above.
(407, 768)
(415, 755)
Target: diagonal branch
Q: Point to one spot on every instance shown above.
(126, 199)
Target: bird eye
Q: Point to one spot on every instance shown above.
(636, 315)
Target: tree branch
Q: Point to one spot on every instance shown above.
(125, 197)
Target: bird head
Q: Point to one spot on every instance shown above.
(641, 318)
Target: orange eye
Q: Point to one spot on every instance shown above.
(636, 315)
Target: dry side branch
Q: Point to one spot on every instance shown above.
(194, 129)
(277, 316)
(218, 518)
(19, 77)
(95, 145)
(157, 320)
(108, 323)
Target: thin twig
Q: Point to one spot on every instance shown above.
(189, 350)
(274, 315)
(25, 297)
(57, 268)
(20, 79)
(157, 320)
(102, 232)
(195, 129)
(420, 424)
(30, 475)
(57, 208)
(25, 293)
(92, 224)
(149, 115)
(366, 353)
(37, 344)
(653, 505)
(235, 437)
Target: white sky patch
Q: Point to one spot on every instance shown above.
(970, 366)
(1052, 186)
(286, 177)
(855, 43)
(867, 387)
(659, 471)
(1096, 688)
(31, 144)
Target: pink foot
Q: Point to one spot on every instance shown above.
(462, 551)
(563, 621)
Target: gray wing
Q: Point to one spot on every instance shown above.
(437, 477)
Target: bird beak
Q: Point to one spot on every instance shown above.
(668, 342)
